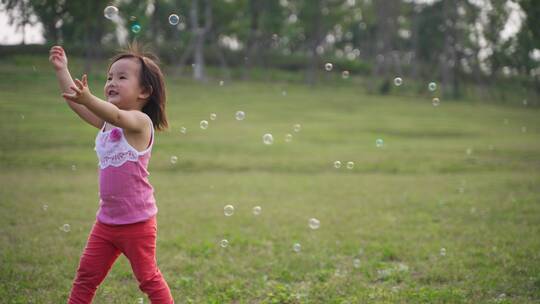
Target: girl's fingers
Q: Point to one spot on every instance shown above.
(78, 83)
(85, 80)
(76, 90)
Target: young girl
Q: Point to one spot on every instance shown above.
(126, 219)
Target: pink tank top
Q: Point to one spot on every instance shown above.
(125, 194)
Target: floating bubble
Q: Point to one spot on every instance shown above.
(314, 223)
(443, 251)
(66, 228)
(223, 243)
(350, 165)
(221, 83)
(174, 19)
(136, 28)
(240, 115)
(45, 207)
(73, 167)
(469, 151)
(356, 263)
(183, 130)
(174, 159)
(297, 247)
(140, 301)
(257, 210)
(204, 124)
(379, 143)
(110, 12)
(213, 116)
(435, 101)
(525, 102)
(337, 164)
(345, 74)
(328, 66)
(432, 86)
(268, 139)
(284, 93)
(297, 128)
(288, 137)
(228, 210)
(398, 81)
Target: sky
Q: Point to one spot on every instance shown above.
(9, 35)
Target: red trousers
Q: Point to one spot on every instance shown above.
(105, 243)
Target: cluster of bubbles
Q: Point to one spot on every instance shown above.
(432, 87)
(349, 165)
(228, 210)
(111, 12)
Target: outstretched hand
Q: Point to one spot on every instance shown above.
(81, 93)
(58, 58)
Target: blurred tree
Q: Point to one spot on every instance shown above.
(20, 14)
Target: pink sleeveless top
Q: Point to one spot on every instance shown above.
(125, 194)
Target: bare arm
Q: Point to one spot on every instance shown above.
(134, 121)
(58, 59)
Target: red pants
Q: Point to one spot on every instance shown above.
(105, 243)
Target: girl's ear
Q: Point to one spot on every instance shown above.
(146, 92)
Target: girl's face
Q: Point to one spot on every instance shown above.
(122, 87)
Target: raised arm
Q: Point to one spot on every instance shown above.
(132, 120)
(58, 59)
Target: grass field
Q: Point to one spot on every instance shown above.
(447, 211)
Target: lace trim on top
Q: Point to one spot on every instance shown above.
(113, 149)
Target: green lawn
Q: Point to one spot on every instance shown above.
(463, 176)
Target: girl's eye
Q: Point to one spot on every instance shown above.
(110, 78)
(122, 77)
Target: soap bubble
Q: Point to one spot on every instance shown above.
(228, 210)
(204, 124)
(398, 81)
(297, 128)
(350, 165)
(443, 251)
(328, 66)
(174, 159)
(268, 139)
(174, 19)
(140, 300)
(297, 247)
(379, 143)
(213, 116)
(221, 83)
(288, 137)
(337, 164)
(257, 210)
(356, 263)
(314, 223)
(345, 74)
(45, 207)
(432, 86)
(240, 115)
(136, 28)
(223, 243)
(435, 101)
(183, 130)
(66, 228)
(110, 12)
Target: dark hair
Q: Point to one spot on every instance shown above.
(151, 78)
